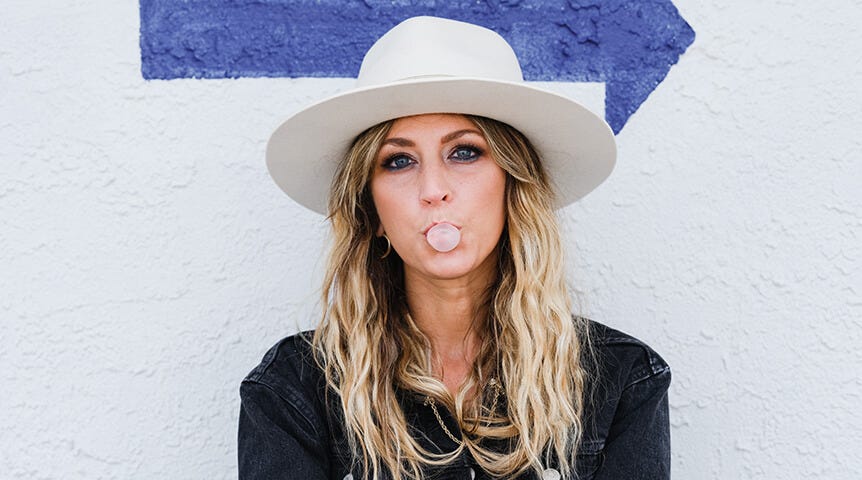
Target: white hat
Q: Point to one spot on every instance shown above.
(435, 65)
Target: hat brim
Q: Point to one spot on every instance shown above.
(577, 147)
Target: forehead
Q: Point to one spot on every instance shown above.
(431, 124)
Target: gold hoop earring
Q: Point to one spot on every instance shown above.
(388, 247)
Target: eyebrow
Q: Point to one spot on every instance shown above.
(403, 142)
(458, 133)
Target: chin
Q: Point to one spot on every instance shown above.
(448, 273)
(451, 265)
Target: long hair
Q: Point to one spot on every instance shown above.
(369, 346)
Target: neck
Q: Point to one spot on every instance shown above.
(450, 312)
(446, 314)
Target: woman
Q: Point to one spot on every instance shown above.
(448, 347)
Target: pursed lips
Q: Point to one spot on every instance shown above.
(431, 225)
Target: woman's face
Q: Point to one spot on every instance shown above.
(438, 168)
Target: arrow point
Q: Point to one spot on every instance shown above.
(642, 61)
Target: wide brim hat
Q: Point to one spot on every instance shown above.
(435, 65)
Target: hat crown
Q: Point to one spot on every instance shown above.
(438, 47)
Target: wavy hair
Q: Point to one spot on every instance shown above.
(369, 346)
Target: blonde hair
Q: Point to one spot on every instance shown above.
(369, 346)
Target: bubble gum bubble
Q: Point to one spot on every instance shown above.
(443, 237)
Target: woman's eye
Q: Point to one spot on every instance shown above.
(397, 162)
(466, 153)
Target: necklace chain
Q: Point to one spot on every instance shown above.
(430, 401)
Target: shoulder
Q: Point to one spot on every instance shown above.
(628, 381)
(288, 363)
(622, 358)
(626, 426)
(289, 373)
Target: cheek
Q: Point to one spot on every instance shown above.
(385, 203)
(497, 191)
(490, 203)
(500, 194)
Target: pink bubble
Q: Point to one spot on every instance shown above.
(443, 237)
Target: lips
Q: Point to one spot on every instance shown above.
(432, 224)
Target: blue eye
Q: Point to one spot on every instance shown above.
(397, 162)
(465, 153)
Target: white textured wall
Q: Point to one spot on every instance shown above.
(147, 261)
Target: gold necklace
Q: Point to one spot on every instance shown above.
(430, 401)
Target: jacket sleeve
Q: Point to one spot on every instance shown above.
(638, 443)
(276, 440)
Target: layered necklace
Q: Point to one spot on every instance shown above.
(429, 401)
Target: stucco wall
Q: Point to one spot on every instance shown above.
(147, 260)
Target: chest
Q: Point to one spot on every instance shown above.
(431, 433)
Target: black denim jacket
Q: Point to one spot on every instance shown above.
(287, 430)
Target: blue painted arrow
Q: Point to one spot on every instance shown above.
(629, 45)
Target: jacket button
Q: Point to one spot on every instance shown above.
(551, 474)
(472, 474)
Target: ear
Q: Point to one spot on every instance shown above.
(380, 231)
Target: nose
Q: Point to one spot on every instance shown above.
(434, 186)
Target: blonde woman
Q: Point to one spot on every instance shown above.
(448, 347)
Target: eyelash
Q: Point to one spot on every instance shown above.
(477, 152)
(387, 162)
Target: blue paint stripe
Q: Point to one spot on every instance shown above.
(629, 45)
